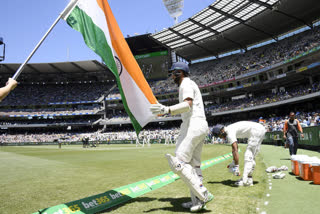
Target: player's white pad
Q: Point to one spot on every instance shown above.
(249, 163)
(252, 169)
(188, 175)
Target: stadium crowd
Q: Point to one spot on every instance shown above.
(231, 66)
(50, 120)
(272, 123)
(255, 59)
(57, 110)
(264, 99)
(306, 119)
(37, 94)
(129, 135)
(203, 73)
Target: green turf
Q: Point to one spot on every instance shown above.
(37, 177)
(42, 176)
(290, 195)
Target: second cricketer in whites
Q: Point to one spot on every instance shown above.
(193, 130)
(255, 133)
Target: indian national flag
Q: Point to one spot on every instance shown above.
(95, 21)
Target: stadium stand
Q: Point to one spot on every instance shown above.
(40, 94)
(68, 99)
(230, 67)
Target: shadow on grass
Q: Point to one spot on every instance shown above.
(299, 178)
(139, 199)
(175, 202)
(176, 205)
(229, 182)
(285, 158)
(225, 182)
(291, 173)
(312, 183)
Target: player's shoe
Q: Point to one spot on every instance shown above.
(198, 207)
(209, 197)
(187, 205)
(239, 183)
(250, 182)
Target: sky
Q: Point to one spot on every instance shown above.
(24, 22)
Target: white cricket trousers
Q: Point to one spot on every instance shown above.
(254, 143)
(190, 140)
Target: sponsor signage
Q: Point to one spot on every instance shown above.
(106, 200)
(153, 54)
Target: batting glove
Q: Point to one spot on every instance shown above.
(230, 166)
(158, 108)
(234, 169)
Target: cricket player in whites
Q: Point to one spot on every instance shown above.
(194, 128)
(244, 129)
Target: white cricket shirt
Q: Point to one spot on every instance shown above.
(242, 129)
(189, 89)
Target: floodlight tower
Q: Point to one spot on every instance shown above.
(4, 49)
(174, 8)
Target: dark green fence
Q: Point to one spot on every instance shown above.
(311, 137)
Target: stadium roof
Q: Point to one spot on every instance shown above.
(228, 25)
(91, 70)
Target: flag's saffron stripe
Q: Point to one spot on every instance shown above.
(94, 19)
(96, 40)
(124, 53)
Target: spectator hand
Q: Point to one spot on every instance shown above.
(11, 83)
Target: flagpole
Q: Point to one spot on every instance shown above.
(68, 8)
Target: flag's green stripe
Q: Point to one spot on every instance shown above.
(93, 36)
(95, 39)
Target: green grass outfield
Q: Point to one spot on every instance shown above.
(291, 195)
(36, 177)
